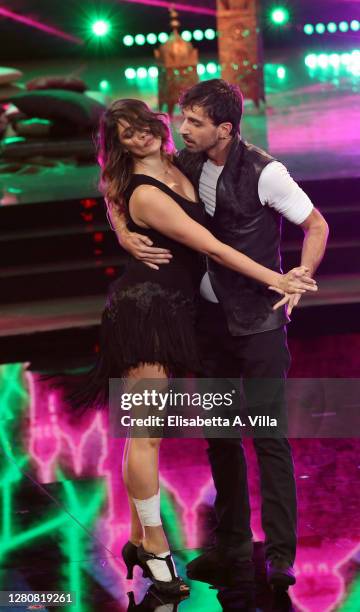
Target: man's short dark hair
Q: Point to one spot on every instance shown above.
(222, 101)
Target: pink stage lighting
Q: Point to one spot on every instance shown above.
(32, 23)
(200, 10)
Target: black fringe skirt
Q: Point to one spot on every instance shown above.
(141, 324)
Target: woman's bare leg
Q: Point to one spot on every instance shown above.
(141, 471)
(136, 530)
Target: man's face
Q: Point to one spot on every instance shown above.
(198, 131)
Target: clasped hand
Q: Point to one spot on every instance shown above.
(292, 285)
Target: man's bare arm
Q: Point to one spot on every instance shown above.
(316, 232)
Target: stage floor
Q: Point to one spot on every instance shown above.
(65, 518)
(310, 121)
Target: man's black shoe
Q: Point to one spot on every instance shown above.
(218, 568)
(280, 573)
(241, 598)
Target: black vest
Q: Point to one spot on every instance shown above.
(241, 221)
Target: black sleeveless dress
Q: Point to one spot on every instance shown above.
(149, 314)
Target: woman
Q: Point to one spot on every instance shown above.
(147, 327)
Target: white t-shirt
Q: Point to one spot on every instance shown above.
(276, 189)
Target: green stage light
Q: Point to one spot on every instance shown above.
(281, 72)
(100, 27)
(355, 70)
(186, 35)
(140, 39)
(311, 60)
(130, 73)
(323, 60)
(151, 39)
(104, 85)
(332, 27)
(200, 68)
(128, 40)
(211, 68)
(354, 65)
(163, 37)
(355, 25)
(343, 26)
(320, 28)
(279, 15)
(141, 73)
(334, 60)
(153, 72)
(198, 34)
(210, 34)
(308, 29)
(345, 58)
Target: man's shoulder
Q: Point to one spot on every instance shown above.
(255, 153)
(185, 156)
(188, 162)
(181, 157)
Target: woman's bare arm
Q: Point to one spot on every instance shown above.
(150, 207)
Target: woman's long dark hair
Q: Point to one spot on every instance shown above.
(117, 165)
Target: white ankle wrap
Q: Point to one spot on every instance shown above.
(149, 510)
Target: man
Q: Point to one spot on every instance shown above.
(245, 192)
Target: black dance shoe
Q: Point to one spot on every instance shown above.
(216, 567)
(176, 586)
(239, 599)
(153, 601)
(280, 573)
(129, 554)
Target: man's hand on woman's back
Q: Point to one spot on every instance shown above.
(140, 247)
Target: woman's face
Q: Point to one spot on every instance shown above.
(139, 142)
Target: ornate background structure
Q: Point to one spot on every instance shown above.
(240, 46)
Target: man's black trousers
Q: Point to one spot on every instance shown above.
(263, 355)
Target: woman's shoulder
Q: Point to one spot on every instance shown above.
(142, 194)
(137, 182)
